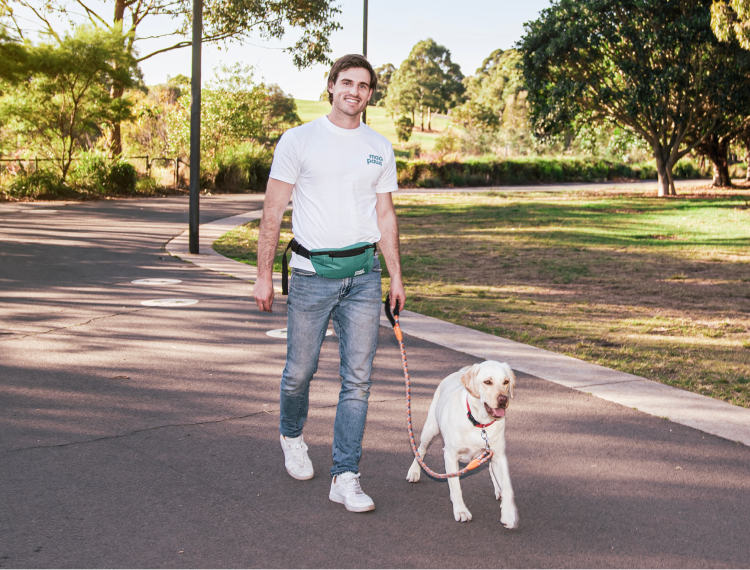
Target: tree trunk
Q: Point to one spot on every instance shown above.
(429, 119)
(717, 151)
(117, 91)
(661, 170)
(421, 113)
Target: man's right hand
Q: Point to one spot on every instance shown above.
(263, 294)
(276, 200)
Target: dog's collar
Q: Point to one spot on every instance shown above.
(471, 418)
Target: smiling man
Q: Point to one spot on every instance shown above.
(340, 174)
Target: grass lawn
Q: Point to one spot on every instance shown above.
(655, 287)
(379, 121)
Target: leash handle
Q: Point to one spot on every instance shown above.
(486, 454)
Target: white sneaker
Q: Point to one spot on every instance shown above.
(345, 489)
(296, 461)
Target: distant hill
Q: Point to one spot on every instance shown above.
(377, 120)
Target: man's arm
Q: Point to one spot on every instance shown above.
(389, 245)
(277, 198)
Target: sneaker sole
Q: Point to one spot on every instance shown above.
(339, 499)
(300, 477)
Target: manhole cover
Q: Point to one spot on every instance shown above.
(169, 302)
(156, 281)
(281, 333)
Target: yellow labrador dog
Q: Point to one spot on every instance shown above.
(474, 398)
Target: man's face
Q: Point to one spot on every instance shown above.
(351, 91)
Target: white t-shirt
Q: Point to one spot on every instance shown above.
(336, 175)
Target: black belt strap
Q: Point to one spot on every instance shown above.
(295, 246)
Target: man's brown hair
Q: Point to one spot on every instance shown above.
(347, 62)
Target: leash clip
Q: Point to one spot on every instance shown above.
(486, 441)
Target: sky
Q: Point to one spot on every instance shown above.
(470, 29)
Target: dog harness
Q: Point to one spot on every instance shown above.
(471, 418)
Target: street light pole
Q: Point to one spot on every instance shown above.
(195, 128)
(364, 53)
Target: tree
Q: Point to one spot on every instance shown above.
(653, 67)
(496, 83)
(404, 127)
(426, 81)
(234, 110)
(238, 20)
(59, 108)
(384, 73)
(731, 20)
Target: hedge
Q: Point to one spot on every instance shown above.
(477, 172)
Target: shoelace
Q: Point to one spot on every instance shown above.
(353, 483)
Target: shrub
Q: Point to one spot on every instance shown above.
(96, 172)
(404, 127)
(121, 178)
(39, 184)
(490, 170)
(239, 168)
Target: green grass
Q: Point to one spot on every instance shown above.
(379, 121)
(653, 287)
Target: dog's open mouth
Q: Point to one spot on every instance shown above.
(495, 412)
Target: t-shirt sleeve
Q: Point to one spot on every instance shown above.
(389, 178)
(286, 163)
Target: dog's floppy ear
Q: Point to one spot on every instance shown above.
(512, 379)
(467, 379)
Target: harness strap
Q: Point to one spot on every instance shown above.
(471, 418)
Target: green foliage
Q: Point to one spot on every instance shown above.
(491, 171)
(447, 143)
(312, 22)
(731, 20)
(64, 104)
(654, 68)
(384, 73)
(404, 127)
(239, 168)
(426, 81)
(97, 173)
(233, 110)
(39, 184)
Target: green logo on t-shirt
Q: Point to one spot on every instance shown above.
(374, 159)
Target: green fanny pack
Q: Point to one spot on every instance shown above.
(339, 263)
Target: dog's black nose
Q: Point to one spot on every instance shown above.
(502, 401)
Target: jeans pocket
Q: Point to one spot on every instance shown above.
(302, 272)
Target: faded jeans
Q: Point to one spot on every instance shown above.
(354, 306)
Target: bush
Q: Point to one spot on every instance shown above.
(491, 171)
(239, 168)
(39, 184)
(121, 178)
(96, 172)
(404, 127)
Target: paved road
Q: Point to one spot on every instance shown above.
(135, 436)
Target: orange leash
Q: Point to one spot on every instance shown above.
(486, 454)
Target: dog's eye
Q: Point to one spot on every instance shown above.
(506, 382)
(488, 382)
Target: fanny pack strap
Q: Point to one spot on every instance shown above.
(295, 246)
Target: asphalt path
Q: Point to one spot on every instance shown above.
(136, 436)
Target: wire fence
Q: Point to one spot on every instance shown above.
(149, 162)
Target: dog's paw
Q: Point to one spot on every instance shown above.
(414, 473)
(462, 514)
(509, 517)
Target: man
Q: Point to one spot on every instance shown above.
(341, 174)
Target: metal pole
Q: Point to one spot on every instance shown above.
(364, 53)
(195, 128)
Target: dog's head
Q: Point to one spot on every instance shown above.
(491, 383)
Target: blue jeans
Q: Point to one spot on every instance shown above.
(354, 305)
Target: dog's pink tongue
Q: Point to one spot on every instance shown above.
(498, 412)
